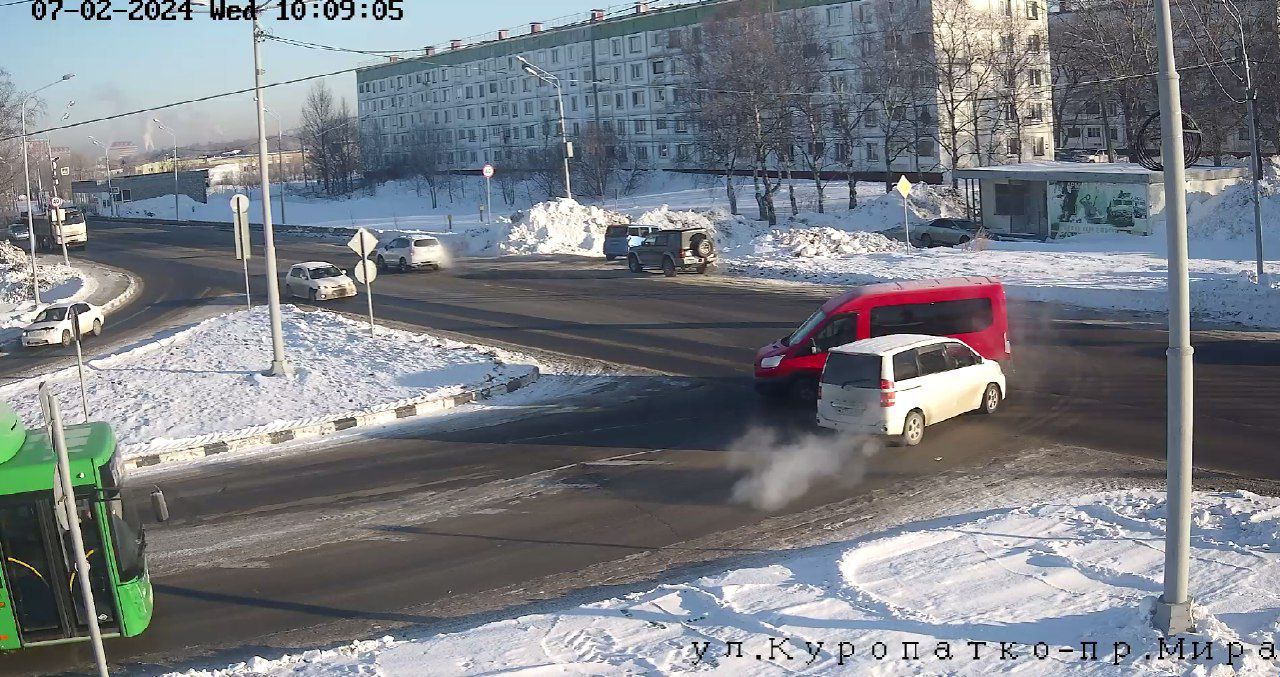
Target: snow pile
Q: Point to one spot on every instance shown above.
(1229, 215)
(818, 242)
(560, 226)
(1022, 589)
(205, 381)
(58, 283)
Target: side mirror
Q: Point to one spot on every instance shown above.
(813, 346)
(159, 507)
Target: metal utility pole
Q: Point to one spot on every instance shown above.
(106, 162)
(279, 361)
(279, 157)
(1173, 608)
(1106, 126)
(26, 187)
(1251, 99)
(65, 499)
(567, 149)
(175, 165)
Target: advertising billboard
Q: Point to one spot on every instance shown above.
(1088, 207)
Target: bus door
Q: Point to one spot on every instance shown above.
(39, 571)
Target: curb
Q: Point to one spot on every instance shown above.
(427, 404)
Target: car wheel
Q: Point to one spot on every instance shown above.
(633, 263)
(66, 337)
(912, 429)
(382, 264)
(964, 239)
(701, 245)
(990, 399)
(609, 257)
(97, 327)
(804, 390)
(668, 267)
(926, 241)
(311, 295)
(404, 265)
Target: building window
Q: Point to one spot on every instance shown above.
(1039, 147)
(674, 39)
(1033, 43)
(871, 118)
(682, 126)
(619, 101)
(659, 67)
(1037, 111)
(684, 152)
(1033, 10)
(1015, 148)
(637, 98)
(642, 152)
(660, 125)
(663, 151)
(637, 71)
(641, 126)
(926, 148)
(1093, 132)
(635, 43)
(834, 16)
(1009, 200)
(555, 56)
(873, 152)
(660, 95)
(617, 46)
(1037, 78)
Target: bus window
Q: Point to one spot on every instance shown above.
(944, 318)
(126, 529)
(26, 567)
(99, 573)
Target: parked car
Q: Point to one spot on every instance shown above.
(672, 250)
(53, 325)
(318, 281)
(897, 385)
(619, 239)
(409, 253)
(945, 231)
(19, 234)
(969, 309)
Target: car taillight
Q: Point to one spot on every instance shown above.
(887, 395)
(1008, 347)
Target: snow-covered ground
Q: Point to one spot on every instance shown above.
(1013, 589)
(841, 247)
(58, 283)
(203, 382)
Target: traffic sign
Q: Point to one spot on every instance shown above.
(363, 243)
(240, 225)
(487, 172)
(55, 202)
(904, 186)
(366, 271)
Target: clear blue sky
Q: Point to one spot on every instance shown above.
(125, 65)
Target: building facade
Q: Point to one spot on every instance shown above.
(472, 104)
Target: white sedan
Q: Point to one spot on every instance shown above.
(318, 281)
(53, 325)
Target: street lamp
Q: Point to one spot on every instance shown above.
(279, 156)
(175, 164)
(567, 150)
(106, 163)
(26, 172)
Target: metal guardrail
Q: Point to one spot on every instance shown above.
(226, 225)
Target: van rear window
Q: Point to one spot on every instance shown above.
(858, 371)
(944, 318)
(615, 231)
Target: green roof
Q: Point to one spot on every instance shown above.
(89, 446)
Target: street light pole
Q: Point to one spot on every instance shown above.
(566, 149)
(279, 157)
(1173, 608)
(279, 361)
(26, 173)
(106, 163)
(159, 124)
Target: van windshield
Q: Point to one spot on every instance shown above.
(813, 321)
(852, 370)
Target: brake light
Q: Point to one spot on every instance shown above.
(887, 395)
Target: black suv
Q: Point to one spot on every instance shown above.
(672, 250)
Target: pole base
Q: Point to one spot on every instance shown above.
(279, 368)
(1173, 619)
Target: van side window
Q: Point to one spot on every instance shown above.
(960, 355)
(904, 366)
(633, 232)
(933, 360)
(944, 318)
(840, 330)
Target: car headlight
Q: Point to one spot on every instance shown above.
(771, 362)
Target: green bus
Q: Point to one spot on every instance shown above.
(40, 600)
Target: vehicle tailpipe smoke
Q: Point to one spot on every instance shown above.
(780, 471)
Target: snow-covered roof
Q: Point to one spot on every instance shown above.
(887, 344)
(1104, 172)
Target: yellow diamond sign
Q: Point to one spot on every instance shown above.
(904, 186)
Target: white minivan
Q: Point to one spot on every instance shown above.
(896, 385)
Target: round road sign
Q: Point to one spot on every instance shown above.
(487, 171)
(55, 202)
(366, 271)
(239, 203)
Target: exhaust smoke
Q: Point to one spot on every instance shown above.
(780, 471)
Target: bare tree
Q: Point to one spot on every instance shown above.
(596, 165)
(892, 77)
(961, 67)
(322, 134)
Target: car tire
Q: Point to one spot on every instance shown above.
(404, 265)
(964, 239)
(609, 257)
(382, 264)
(926, 241)
(804, 390)
(311, 295)
(97, 328)
(701, 245)
(912, 429)
(668, 267)
(633, 263)
(66, 338)
(991, 399)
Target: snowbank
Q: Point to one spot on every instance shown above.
(560, 226)
(58, 283)
(1229, 215)
(204, 380)
(1044, 580)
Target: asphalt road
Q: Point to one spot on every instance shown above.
(415, 524)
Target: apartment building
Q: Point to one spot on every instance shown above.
(627, 73)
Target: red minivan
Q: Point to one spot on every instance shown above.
(971, 309)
